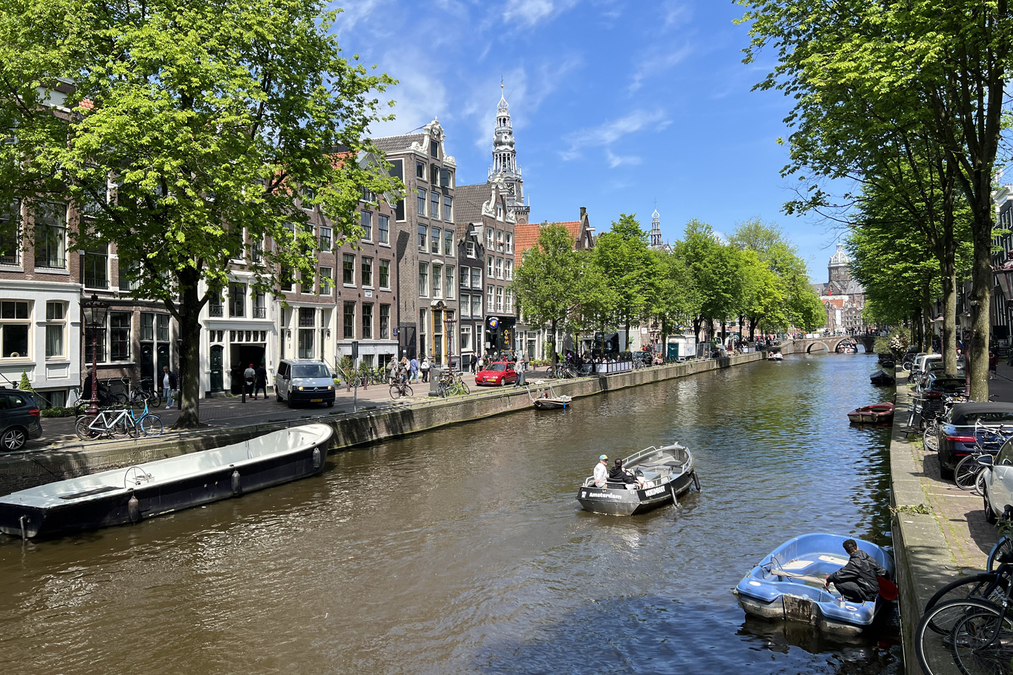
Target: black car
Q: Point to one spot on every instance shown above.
(969, 425)
(19, 419)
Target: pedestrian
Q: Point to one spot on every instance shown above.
(261, 381)
(168, 385)
(519, 367)
(480, 364)
(993, 363)
(424, 367)
(250, 378)
(391, 369)
(413, 369)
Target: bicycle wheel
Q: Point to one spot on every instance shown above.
(154, 399)
(987, 585)
(443, 390)
(979, 483)
(123, 428)
(83, 429)
(966, 472)
(981, 642)
(464, 386)
(152, 425)
(395, 392)
(929, 437)
(408, 391)
(1002, 552)
(934, 636)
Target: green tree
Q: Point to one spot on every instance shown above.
(211, 122)
(548, 281)
(677, 301)
(629, 268)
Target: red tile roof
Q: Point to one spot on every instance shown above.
(526, 234)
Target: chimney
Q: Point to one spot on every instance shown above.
(583, 212)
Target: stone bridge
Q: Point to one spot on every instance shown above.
(830, 344)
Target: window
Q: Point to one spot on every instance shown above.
(437, 281)
(450, 282)
(148, 327)
(384, 322)
(509, 242)
(325, 238)
(434, 149)
(423, 279)
(385, 274)
(492, 269)
(367, 225)
(96, 355)
(56, 319)
(465, 306)
(465, 278)
(446, 179)
(257, 250)
(367, 321)
(119, 330)
(51, 236)
(10, 235)
(499, 241)
(285, 278)
(499, 212)
(307, 317)
(128, 274)
(434, 174)
(434, 240)
(307, 322)
(476, 307)
(448, 242)
(215, 302)
(499, 268)
(96, 264)
(326, 281)
(434, 205)
(490, 297)
(367, 272)
(490, 241)
(237, 300)
(349, 322)
(420, 170)
(469, 249)
(162, 327)
(509, 264)
(448, 211)
(423, 235)
(384, 229)
(509, 304)
(476, 277)
(465, 338)
(348, 269)
(499, 298)
(421, 202)
(423, 315)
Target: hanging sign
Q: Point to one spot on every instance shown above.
(493, 323)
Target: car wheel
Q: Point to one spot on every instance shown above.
(330, 404)
(990, 517)
(13, 439)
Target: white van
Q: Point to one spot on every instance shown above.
(304, 382)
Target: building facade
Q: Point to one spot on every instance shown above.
(842, 296)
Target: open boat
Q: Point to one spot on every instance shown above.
(155, 488)
(871, 414)
(775, 356)
(666, 472)
(788, 584)
(546, 398)
(882, 379)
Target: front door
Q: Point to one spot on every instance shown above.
(217, 359)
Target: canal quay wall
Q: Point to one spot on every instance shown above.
(939, 530)
(23, 470)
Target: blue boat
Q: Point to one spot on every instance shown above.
(788, 584)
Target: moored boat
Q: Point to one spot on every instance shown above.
(775, 356)
(788, 584)
(882, 379)
(544, 397)
(871, 414)
(155, 488)
(663, 474)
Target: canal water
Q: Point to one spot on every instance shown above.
(464, 550)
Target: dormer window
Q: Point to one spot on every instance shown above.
(499, 212)
(434, 149)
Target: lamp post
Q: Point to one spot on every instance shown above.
(94, 318)
(448, 324)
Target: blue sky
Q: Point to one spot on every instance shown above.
(616, 105)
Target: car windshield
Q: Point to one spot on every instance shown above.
(949, 386)
(995, 417)
(309, 370)
(497, 367)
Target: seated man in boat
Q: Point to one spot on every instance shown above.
(620, 475)
(858, 580)
(601, 471)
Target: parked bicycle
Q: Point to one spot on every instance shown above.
(452, 384)
(400, 388)
(142, 395)
(987, 440)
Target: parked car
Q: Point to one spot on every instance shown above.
(497, 373)
(998, 482)
(304, 382)
(19, 419)
(921, 366)
(957, 436)
(933, 368)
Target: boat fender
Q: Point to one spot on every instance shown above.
(237, 486)
(134, 509)
(317, 458)
(696, 481)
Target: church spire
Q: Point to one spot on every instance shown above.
(504, 160)
(656, 229)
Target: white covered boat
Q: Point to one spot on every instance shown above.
(545, 397)
(155, 488)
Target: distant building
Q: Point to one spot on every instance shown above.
(843, 297)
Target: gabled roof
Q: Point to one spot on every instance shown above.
(468, 200)
(397, 143)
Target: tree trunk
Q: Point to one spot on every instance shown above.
(189, 365)
(981, 297)
(949, 278)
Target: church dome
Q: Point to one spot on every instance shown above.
(840, 257)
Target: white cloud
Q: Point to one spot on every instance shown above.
(420, 93)
(656, 64)
(608, 133)
(676, 13)
(533, 12)
(355, 12)
(615, 160)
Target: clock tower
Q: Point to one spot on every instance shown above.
(504, 162)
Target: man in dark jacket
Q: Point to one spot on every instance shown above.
(858, 580)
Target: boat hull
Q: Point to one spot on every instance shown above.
(623, 502)
(550, 404)
(110, 504)
(880, 412)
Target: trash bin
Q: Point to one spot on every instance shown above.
(434, 380)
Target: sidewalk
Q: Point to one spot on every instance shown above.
(230, 411)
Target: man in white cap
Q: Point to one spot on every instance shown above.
(601, 471)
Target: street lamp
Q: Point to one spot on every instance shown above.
(95, 319)
(448, 324)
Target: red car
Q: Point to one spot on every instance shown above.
(499, 373)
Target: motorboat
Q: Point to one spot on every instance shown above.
(871, 414)
(788, 584)
(662, 475)
(775, 356)
(882, 379)
(142, 491)
(544, 397)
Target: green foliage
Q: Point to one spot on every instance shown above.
(25, 385)
(57, 412)
(628, 268)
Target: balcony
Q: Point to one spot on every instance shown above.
(260, 312)
(215, 310)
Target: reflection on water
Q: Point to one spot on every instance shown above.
(464, 550)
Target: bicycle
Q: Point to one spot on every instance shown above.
(965, 473)
(400, 388)
(142, 395)
(564, 371)
(107, 423)
(451, 384)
